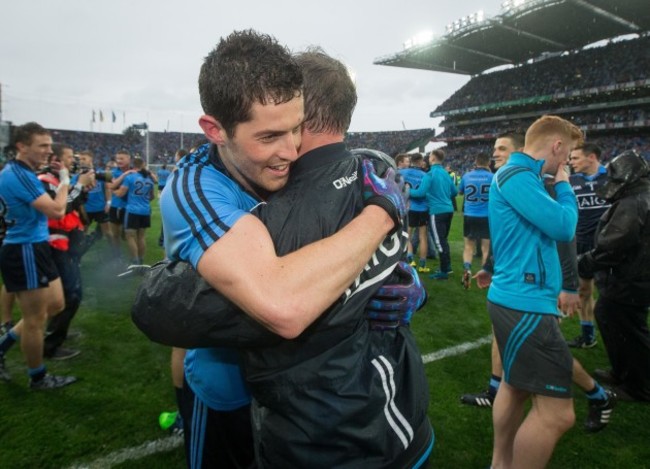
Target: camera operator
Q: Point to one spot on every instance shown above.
(67, 240)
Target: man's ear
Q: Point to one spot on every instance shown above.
(213, 129)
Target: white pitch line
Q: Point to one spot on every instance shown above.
(456, 349)
(136, 452)
(173, 442)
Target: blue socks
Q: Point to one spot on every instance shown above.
(38, 373)
(588, 331)
(597, 393)
(495, 381)
(7, 341)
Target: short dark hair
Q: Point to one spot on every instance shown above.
(482, 159)
(57, 150)
(588, 148)
(516, 136)
(439, 155)
(25, 133)
(329, 92)
(244, 68)
(401, 157)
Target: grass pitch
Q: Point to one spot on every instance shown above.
(125, 383)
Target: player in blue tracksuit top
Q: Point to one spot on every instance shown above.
(439, 189)
(525, 223)
(527, 274)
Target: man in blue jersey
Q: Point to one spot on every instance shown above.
(251, 92)
(137, 188)
(475, 187)
(438, 188)
(25, 258)
(162, 174)
(418, 218)
(525, 224)
(98, 199)
(118, 204)
(588, 176)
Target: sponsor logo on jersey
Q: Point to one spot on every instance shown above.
(345, 181)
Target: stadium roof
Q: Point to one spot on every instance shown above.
(524, 30)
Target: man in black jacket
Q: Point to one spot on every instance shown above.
(620, 264)
(350, 390)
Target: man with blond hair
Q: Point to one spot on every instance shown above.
(525, 224)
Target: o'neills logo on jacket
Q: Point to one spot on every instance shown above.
(345, 181)
(381, 263)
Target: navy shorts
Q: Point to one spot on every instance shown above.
(27, 266)
(136, 222)
(116, 215)
(99, 217)
(535, 355)
(476, 227)
(418, 218)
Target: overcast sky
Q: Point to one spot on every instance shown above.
(62, 59)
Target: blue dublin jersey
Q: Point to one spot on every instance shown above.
(96, 201)
(475, 187)
(163, 175)
(117, 202)
(140, 191)
(413, 176)
(19, 188)
(200, 204)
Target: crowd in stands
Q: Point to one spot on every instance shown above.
(461, 155)
(619, 62)
(163, 145)
(626, 116)
(392, 142)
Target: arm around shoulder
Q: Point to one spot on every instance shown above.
(286, 294)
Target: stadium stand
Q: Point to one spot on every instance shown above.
(587, 61)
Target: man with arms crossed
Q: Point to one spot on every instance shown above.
(25, 258)
(525, 224)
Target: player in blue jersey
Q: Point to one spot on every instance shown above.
(418, 213)
(588, 176)
(525, 223)
(251, 92)
(118, 204)
(475, 187)
(25, 258)
(137, 188)
(98, 199)
(162, 174)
